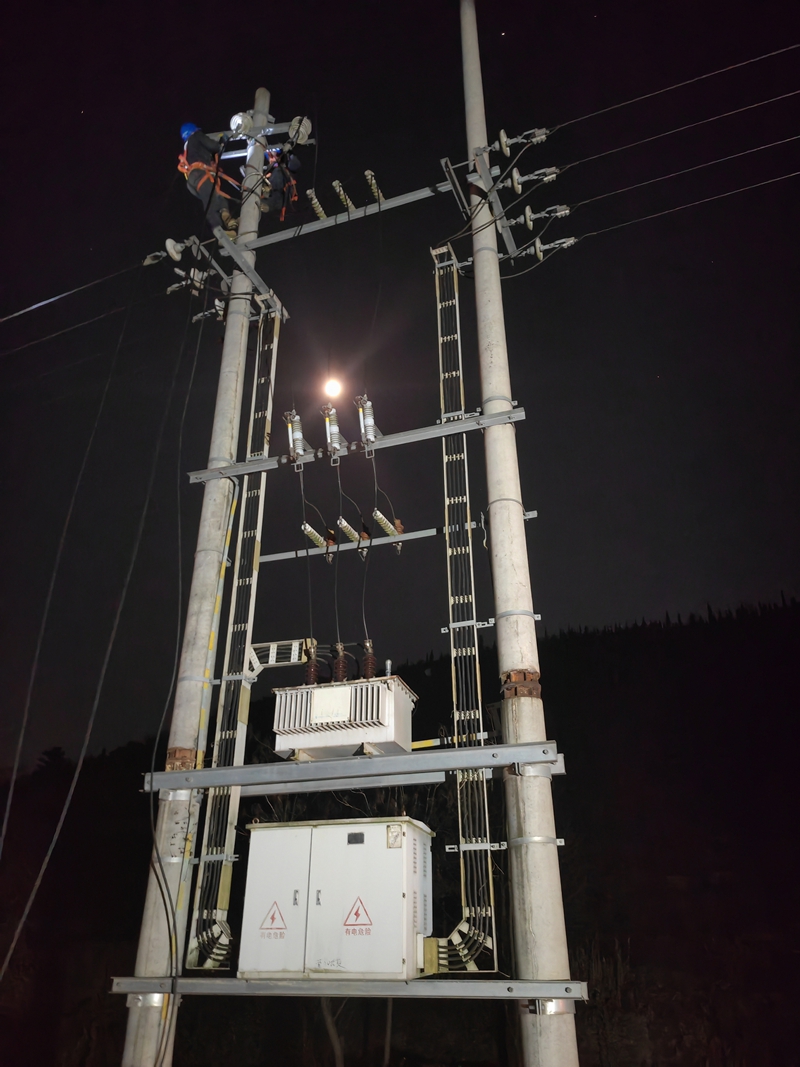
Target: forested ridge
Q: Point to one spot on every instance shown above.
(678, 869)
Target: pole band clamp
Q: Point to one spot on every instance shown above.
(510, 499)
(145, 1000)
(517, 842)
(489, 399)
(519, 611)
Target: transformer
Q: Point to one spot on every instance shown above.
(342, 718)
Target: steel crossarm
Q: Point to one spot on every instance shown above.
(404, 437)
(447, 759)
(418, 988)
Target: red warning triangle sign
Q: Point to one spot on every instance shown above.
(273, 920)
(358, 915)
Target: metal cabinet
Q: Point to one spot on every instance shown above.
(347, 897)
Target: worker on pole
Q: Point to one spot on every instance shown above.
(200, 164)
(540, 941)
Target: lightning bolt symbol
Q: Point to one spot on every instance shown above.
(358, 912)
(272, 919)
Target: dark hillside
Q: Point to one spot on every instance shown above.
(679, 870)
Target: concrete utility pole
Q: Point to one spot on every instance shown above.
(151, 1019)
(540, 942)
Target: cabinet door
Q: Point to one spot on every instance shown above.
(355, 902)
(275, 902)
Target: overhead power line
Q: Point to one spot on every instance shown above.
(58, 333)
(654, 215)
(80, 288)
(103, 670)
(54, 574)
(694, 203)
(686, 170)
(677, 85)
(679, 129)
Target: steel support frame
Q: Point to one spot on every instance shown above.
(418, 989)
(405, 437)
(481, 757)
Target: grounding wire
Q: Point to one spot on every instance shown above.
(383, 494)
(677, 85)
(336, 567)
(101, 679)
(308, 564)
(54, 573)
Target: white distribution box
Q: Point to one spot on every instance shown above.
(350, 897)
(326, 721)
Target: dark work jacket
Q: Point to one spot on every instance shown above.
(201, 149)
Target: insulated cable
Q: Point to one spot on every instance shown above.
(159, 872)
(76, 326)
(78, 289)
(101, 679)
(58, 333)
(54, 573)
(678, 85)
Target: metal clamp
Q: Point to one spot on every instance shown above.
(518, 611)
(215, 858)
(482, 846)
(516, 842)
(550, 1007)
(145, 1000)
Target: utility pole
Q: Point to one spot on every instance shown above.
(540, 942)
(152, 1016)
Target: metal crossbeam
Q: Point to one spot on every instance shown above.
(347, 546)
(419, 988)
(331, 785)
(452, 759)
(349, 216)
(235, 251)
(405, 437)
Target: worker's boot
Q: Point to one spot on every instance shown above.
(228, 221)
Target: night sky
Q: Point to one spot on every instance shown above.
(657, 363)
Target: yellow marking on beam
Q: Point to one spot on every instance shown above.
(224, 895)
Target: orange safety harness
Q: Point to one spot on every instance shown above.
(212, 174)
(272, 159)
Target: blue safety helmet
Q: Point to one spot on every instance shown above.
(187, 130)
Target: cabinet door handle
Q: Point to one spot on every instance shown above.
(296, 899)
(319, 895)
